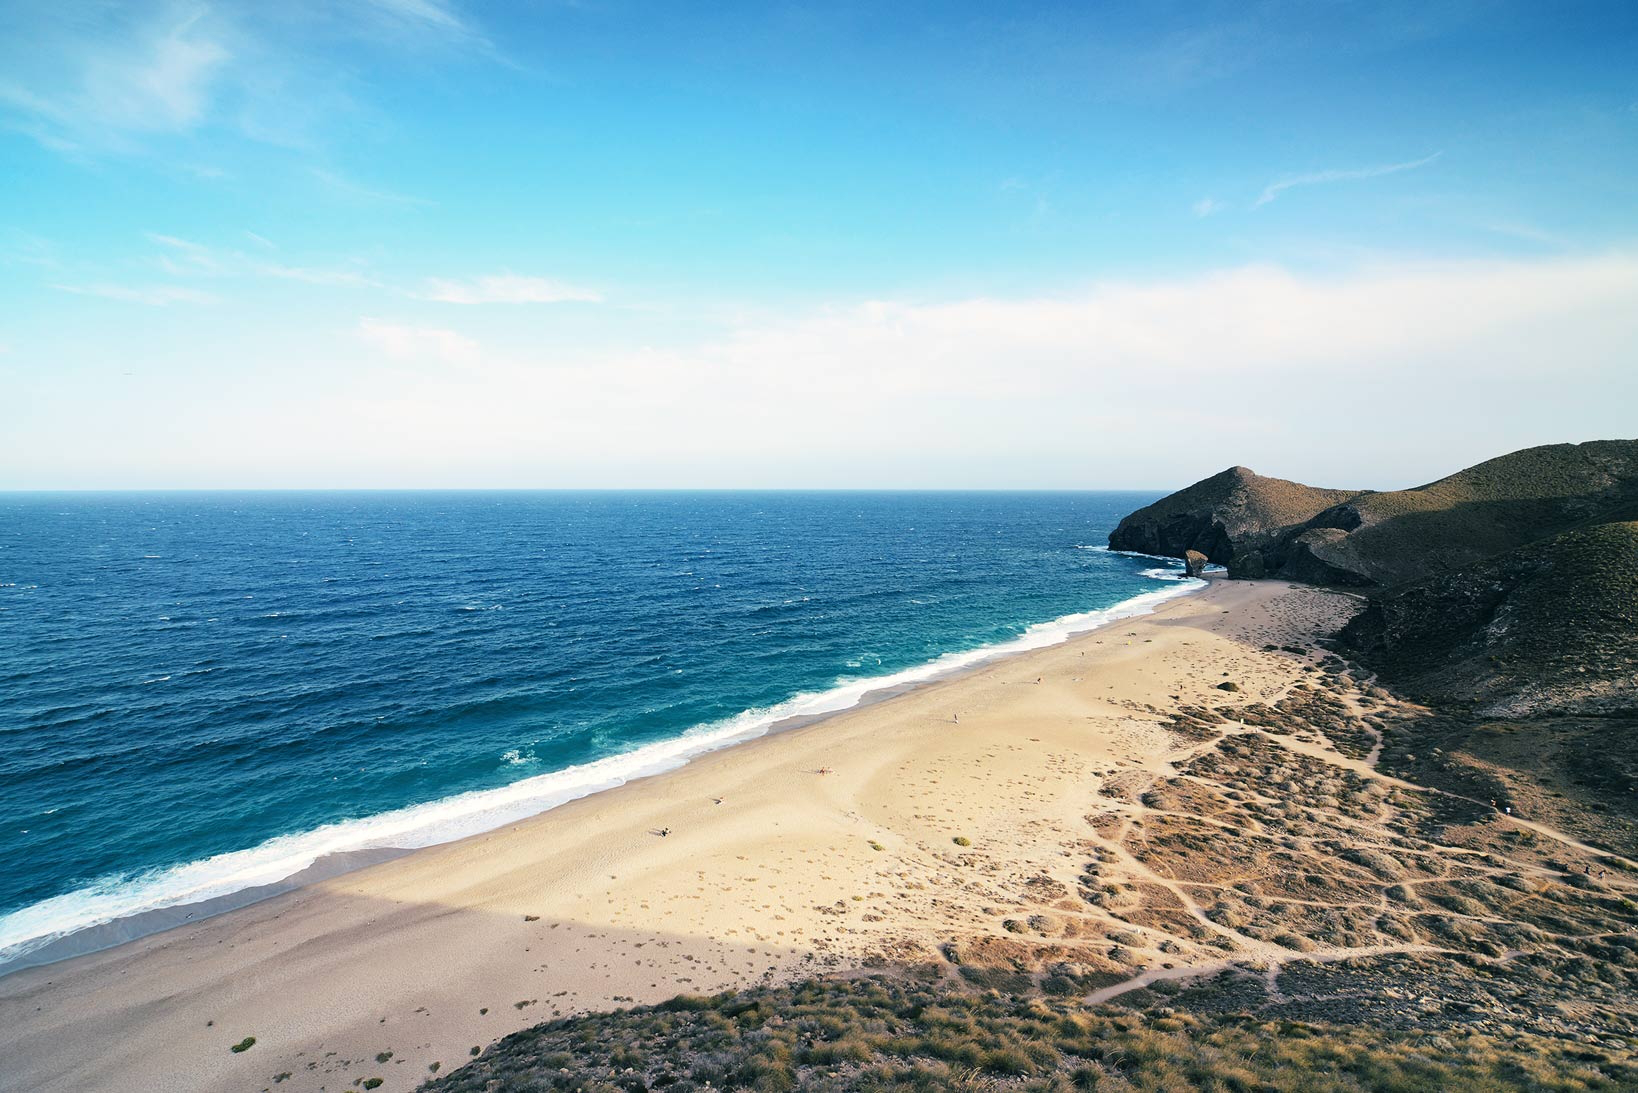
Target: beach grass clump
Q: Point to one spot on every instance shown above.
(371, 1083)
(962, 840)
(243, 1045)
(887, 1035)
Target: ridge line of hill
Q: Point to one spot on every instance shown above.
(1510, 586)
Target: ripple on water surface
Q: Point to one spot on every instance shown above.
(205, 692)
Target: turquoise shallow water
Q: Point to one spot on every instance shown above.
(204, 692)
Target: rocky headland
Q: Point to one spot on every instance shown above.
(1269, 527)
(1511, 586)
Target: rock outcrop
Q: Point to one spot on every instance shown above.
(1228, 518)
(1194, 563)
(1269, 527)
(1511, 586)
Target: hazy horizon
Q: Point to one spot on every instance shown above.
(1165, 487)
(770, 489)
(421, 244)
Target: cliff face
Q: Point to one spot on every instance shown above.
(1512, 584)
(1268, 527)
(1228, 517)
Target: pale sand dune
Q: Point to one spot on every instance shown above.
(779, 879)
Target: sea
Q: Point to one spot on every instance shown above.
(203, 694)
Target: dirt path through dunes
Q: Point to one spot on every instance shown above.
(1275, 964)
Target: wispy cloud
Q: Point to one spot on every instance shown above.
(507, 288)
(26, 248)
(89, 78)
(1315, 178)
(409, 342)
(1207, 206)
(186, 258)
(346, 187)
(422, 13)
(336, 278)
(138, 73)
(1001, 390)
(1529, 233)
(150, 295)
(1053, 389)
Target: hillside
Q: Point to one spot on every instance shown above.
(1510, 587)
(1227, 517)
(1267, 527)
(1405, 535)
(1547, 628)
(885, 1034)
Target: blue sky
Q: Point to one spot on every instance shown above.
(414, 242)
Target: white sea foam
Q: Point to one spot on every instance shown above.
(113, 898)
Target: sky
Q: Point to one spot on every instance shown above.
(424, 243)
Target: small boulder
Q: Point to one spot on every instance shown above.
(1228, 685)
(1194, 562)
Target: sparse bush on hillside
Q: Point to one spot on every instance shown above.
(883, 1035)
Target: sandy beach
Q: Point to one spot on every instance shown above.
(887, 833)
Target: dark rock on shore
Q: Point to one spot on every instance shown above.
(1194, 563)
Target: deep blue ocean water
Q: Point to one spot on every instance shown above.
(202, 692)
